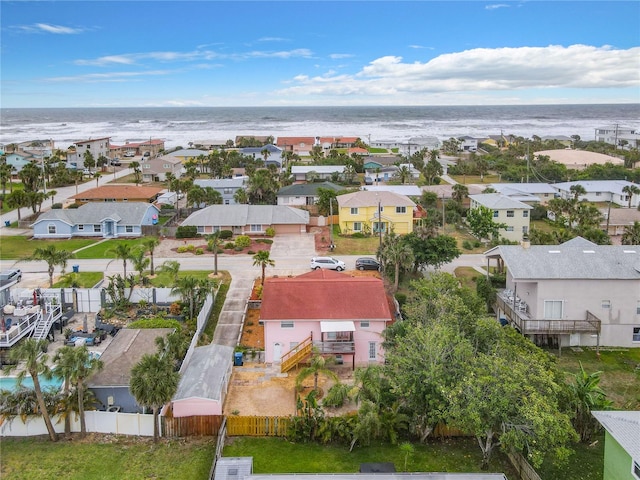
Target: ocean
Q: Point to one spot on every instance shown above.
(178, 126)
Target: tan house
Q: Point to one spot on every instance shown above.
(119, 193)
(574, 294)
(156, 169)
(513, 213)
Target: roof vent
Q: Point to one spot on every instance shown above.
(554, 251)
(629, 251)
(588, 251)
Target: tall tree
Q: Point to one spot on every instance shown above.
(187, 288)
(631, 190)
(31, 352)
(587, 396)
(135, 166)
(317, 367)
(631, 234)
(481, 223)
(396, 254)
(64, 367)
(154, 383)
(17, 200)
(53, 257)
(263, 260)
(150, 244)
(213, 244)
(84, 366)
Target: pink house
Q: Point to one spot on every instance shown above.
(329, 312)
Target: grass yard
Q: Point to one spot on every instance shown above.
(101, 250)
(346, 245)
(165, 280)
(586, 463)
(107, 457)
(276, 455)
(467, 179)
(16, 186)
(83, 279)
(19, 247)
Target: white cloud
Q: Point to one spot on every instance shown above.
(496, 6)
(273, 39)
(483, 70)
(48, 28)
(338, 56)
(106, 77)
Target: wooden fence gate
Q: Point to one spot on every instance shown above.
(197, 425)
(257, 426)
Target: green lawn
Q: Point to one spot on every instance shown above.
(18, 247)
(102, 250)
(106, 457)
(275, 455)
(16, 186)
(84, 279)
(586, 463)
(165, 280)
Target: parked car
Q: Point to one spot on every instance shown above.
(86, 171)
(366, 263)
(116, 162)
(129, 154)
(8, 276)
(328, 263)
(147, 154)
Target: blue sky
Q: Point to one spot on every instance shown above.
(237, 53)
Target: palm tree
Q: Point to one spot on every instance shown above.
(83, 367)
(577, 190)
(172, 267)
(186, 287)
(53, 257)
(153, 383)
(631, 235)
(140, 262)
(30, 351)
(136, 171)
(403, 173)
(460, 192)
(213, 243)
(17, 200)
(317, 367)
(631, 190)
(263, 260)
(64, 361)
(396, 253)
(97, 176)
(124, 252)
(587, 396)
(150, 244)
(51, 195)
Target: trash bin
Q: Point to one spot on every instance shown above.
(76, 268)
(237, 359)
(7, 223)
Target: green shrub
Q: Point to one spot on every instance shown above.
(187, 231)
(226, 234)
(182, 249)
(156, 323)
(199, 251)
(477, 243)
(266, 241)
(166, 207)
(74, 205)
(191, 248)
(243, 241)
(251, 252)
(229, 245)
(358, 235)
(56, 206)
(467, 245)
(271, 232)
(401, 298)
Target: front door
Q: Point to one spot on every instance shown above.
(277, 352)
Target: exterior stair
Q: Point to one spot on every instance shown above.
(296, 355)
(44, 322)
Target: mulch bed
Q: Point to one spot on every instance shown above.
(254, 247)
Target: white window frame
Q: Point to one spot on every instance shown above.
(525, 214)
(373, 351)
(401, 209)
(364, 324)
(287, 324)
(128, 228)
(509, 228)
(511, 213)
(97, 227)
(52, 229)
(635, 338)
(354, 211)
(635, 469)
(552, 309)
(496, 213)
(81, 227)
(605, 304)
(255, 228)
(357, 226)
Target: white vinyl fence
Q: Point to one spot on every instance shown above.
(97, 422)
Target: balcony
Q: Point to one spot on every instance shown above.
(519, 316)
(334, 347)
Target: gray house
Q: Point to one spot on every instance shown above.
(95, 219)
(249, 219)
(302, 194)
(227, 187)
(111, 384)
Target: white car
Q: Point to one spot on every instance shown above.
(328, 263)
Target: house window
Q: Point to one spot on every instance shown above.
(510, 213)
(286, 324)
(372, 350)
(553, 309)
(598, 194)
(200, 228)
(635, 469)
(97, 227)
(496, 214)
(167, 166)
(146, 165)
(364, 324)
(357, 226)
(227, 202)
(81, 228)
(636, 334)
(401, 209)
(378, 227)
(128, 228)
(638, 308)
(52, 229)
(606, 304)
(354, 211)
(525, 230)
(525, 214)
(509, 229)
(256, 228)
(227, 191)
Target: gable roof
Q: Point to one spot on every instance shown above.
(624, 427)
(324, 295)
(125, 350)
(307, 189)
(129, 213)
(235, 182)
(576, 259)
(366, 198)
(204, 375)
(238, 215)
(530, 188)
(187, 152)
(408, 190)
(119, 192)
(296, 141)
(497, 201)
(613, 186)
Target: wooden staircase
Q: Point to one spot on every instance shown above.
(296, 355)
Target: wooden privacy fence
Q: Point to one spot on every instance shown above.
(197, 425)
(525, 471)
(257, 426)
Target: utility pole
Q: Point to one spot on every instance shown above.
(380, 223)
(527, 161)
(331, 245)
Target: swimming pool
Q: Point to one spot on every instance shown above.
(9, 383)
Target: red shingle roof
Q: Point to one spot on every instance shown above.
(324, 295)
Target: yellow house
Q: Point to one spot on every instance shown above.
(370, 212)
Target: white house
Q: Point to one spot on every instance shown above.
(526, 192)
(513, 213)
(600, 191)
(618, 135)
(324, 172)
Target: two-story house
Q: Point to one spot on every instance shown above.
(512, 213)
(617, 135)
(227, 187)
(310, 173)
(98, 147)
(600, 191)
(375, 212)
(329, 312)
(156, 169)
(304, 194)
(576, 293)
(527, 192)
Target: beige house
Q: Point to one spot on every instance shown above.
(513, 213)
(156, 169)
(574, 294)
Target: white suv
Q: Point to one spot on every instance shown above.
(327, 262)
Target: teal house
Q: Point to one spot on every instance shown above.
(621, 444)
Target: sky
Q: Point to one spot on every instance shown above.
(317, 53)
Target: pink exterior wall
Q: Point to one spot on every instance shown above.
(196, 406)
(275, 334)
